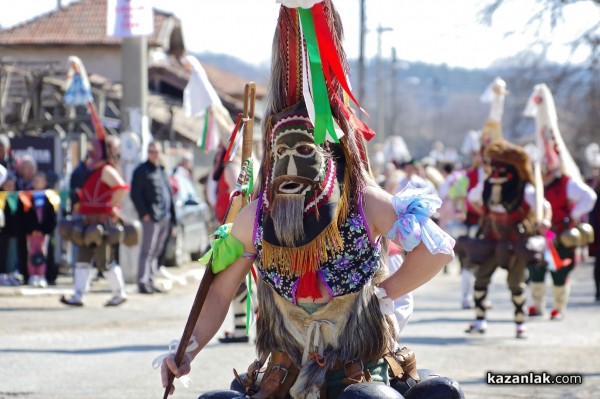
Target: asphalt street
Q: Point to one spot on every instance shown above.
(50, 351)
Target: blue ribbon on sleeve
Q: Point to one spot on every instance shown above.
(414, 208)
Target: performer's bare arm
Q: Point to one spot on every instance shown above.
(220, 294)
(419, 265)
(112, 178)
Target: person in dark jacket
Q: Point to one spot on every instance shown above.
(39, 221)
(13, 213)
(151, 194)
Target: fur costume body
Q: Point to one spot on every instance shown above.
(349, 327)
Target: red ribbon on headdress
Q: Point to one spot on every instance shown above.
(329, 54)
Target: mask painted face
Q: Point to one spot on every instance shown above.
(299, 163)
(502, 172)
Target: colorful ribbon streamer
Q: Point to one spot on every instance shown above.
(238, 124)
(323, 115)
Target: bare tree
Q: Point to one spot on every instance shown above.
(577, 87)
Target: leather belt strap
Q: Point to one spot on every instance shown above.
(280, 375)
(355, 371)
(403, 364)
(248, 380)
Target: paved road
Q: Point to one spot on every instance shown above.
(49, 351)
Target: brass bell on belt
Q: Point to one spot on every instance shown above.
(571, 238)
(93, 235)
(115, 234)
(133, 233)
(77, 234)
(587, 233)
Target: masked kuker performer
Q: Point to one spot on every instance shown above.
(507, 201)
(316, 232)
(571, 199)
(95, 228)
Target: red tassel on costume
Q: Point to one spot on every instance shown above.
(308, 286)
(558, 261)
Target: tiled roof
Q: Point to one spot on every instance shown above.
(230, 83)
(79, 23)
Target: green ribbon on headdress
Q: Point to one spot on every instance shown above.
(225, 249)
(323, 115)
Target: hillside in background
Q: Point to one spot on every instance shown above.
(425, 103)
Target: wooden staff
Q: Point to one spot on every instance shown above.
(235, 205)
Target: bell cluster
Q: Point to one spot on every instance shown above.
(82, 233)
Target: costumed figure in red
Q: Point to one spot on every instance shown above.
(571, 199)
(96, 228)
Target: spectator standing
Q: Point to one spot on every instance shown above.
(8, 234)
(152, 197)
(6, 158)
(39, 222)
(27, 168)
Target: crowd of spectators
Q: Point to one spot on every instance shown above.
(29, 218)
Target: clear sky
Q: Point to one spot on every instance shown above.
(434, 31)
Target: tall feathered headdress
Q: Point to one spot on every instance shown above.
(78, 91)
(309, 65)
(315, 158)
(494, 94)
(548, 137)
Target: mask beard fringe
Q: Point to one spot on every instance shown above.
(287, 213)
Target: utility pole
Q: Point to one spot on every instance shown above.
(394, 95)
(380, 100)
(361, 54)
(134, 104)
(134, 78)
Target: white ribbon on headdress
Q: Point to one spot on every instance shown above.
(193, 345)
(541, 107)
(298, 3)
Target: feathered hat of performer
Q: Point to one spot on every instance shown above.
(314, 146)
(78, 91)
(494, 94)
(548, 137)
(505, 152)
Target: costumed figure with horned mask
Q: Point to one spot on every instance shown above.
(316, 231)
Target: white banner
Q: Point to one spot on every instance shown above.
(128, 18)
